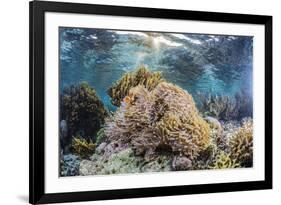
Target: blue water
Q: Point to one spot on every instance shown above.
(215, 64)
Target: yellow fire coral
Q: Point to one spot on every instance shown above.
(164, 118)
(82, 147)
(142, 76)
(241, 144)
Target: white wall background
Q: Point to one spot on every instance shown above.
(14, 100)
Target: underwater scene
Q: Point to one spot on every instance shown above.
(139, 101)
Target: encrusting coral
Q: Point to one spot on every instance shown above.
(118, 163)
(82, 147)
(241, 144)
(142, 76)
(69, 165)
(82, 110)
(162, 119)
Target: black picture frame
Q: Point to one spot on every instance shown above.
(37, 11)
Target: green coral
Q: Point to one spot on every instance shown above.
(241, 144)
(142, 76)
(82, 147)
(163, 118)
(224, 161)
(83, 111)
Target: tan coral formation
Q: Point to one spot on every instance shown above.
(164, 118)
(241, 144)
(142, 76)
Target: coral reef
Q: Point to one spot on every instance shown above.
(245, 104)
(69, 165)
(142, 76)
(82, 110)
(180, 163)
(224, 161)
(161, 163)
(117, 163)
(109, 159)
(220, 107)
(206, 157)
(241, 144)
(163, 119)
(82, 147)
(225, 107)
(150, 124)
(100, 136)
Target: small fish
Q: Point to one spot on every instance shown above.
(127, 99)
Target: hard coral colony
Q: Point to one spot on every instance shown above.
(156, 127)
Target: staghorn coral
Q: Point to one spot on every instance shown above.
(142, 76)
(163, 119)
(224, 161)
(220, 107)
(225, 107)
(83, 148)
(245, 105)
(82, 110)
(241, 144)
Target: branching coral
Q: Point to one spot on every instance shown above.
(142, 76)
(241, 144)
(83, 148)
(82, 110)
(164, 118)
(221, 107)
(223, 161)
(225, 107)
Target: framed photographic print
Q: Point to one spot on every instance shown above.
(140, 102)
